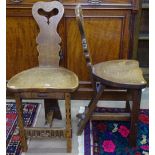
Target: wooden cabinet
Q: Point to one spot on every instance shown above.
(107, 34)
(21, 45)
(141, 48)
(109, 29)
(143, 42)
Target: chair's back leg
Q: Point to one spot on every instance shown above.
(68, 122)
(127, 104)
(52, 105)
(21, 123)
(136, 97)
(91, 107)
(127, 107)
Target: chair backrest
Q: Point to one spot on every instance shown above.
(80, 21)
(48, 39)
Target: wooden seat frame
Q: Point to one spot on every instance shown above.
(48, 47)
(99, 85)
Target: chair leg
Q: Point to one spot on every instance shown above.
(52, 105)
(21, 123)
(136, 97)
(68, 123)
(91, 107)
(127, 107)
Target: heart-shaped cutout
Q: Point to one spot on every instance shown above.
(49, 14)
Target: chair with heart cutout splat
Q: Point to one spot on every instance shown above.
(48, 80)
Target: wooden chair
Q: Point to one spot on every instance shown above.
(122, 74)
(48, 80)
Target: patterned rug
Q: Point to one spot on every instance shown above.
(12, 134)
(111, 137)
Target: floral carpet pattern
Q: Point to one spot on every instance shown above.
(111, 137)
(12, 133)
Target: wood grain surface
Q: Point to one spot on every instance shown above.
(108, 28)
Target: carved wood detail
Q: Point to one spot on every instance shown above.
(68, 122)
(45, 132)
(48, 55)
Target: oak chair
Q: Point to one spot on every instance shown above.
(122, 74)
(48, 80)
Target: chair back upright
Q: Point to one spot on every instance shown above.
(80, 21)
(48, 39)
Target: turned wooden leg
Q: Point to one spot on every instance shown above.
(91, 107)
(68, 122)
(136, 97)
(21, 123)
(51, 105)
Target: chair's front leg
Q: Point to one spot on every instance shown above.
(21, 123)
(127, 104)
(68, 122)
(136, 97)
(91, 107)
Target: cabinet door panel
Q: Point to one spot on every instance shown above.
(75, 59)
(108, 39)
(21, 45)
(101, 36)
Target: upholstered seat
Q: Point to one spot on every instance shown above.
(44, 78)
(120, 71)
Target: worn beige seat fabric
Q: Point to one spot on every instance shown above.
(120, 71)
(44, 78)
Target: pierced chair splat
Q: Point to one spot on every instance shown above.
(122, 74)
(48, 80)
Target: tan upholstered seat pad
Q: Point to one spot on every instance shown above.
(40, 77)
(120, 71)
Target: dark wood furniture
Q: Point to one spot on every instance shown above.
(122, 74)
(142, 48)
(48, 80)
(112, 20)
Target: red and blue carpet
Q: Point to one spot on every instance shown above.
(111, 137)
(12, 133)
